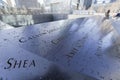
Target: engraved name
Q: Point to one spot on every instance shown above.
(13, 63)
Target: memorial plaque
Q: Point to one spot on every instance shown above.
(19, 64)
(85, 45)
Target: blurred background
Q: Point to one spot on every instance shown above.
(26, 12)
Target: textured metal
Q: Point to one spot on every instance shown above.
(42, 70)
(85, 45)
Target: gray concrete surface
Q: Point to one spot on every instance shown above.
(85, 45)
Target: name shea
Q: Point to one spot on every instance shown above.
(12, 63)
